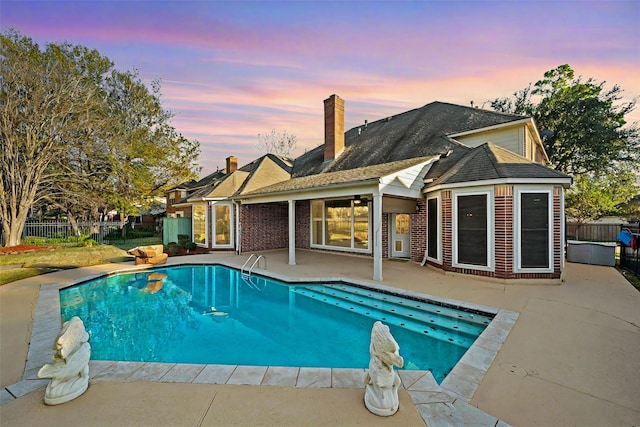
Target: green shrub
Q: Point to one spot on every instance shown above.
(173, 248)
(190, 246)
(183, 239)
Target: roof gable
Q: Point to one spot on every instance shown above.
(350, 176)
(489, 162)
(220, 185)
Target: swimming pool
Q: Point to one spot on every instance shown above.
(209, 314)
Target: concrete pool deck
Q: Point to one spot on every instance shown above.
(572, 358)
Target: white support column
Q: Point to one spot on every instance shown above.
(292, 232)
(377, 237)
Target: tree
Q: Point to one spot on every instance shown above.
(280, 143)
(45, 99)
(590, 138)
(79, 135)
(589, 132)
(592, 197)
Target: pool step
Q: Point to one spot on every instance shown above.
(451, 333)
(471, 323)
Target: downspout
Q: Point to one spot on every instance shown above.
(238, 230)
(424, 260)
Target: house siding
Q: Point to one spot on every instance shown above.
(512, 139)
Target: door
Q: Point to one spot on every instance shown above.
(400, 236)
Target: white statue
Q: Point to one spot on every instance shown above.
(381, 382)
(70, 368)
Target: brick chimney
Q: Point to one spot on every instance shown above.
(333, 127)
(232, 164)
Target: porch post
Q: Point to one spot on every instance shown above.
(292, 232)
(377, 237)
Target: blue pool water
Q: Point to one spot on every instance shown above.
(209, 314)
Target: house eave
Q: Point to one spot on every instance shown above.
(565, 182)
(492, 127)
(307, 193)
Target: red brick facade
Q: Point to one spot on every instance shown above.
(504, 249)
(419, 232)
(265, 226)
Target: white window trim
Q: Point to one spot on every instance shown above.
(438, 198)
(489, 192)
(212, 232)
(206, 224)
(517, 229)
(339, 248)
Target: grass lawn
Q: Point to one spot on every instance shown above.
(21, 266)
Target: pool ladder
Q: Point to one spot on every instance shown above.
(245, 272)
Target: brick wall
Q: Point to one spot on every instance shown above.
(447, 254)
(419, 232)
(264, 226)
(385, 236)
(303, 224)
(504, 247)
(503, 231)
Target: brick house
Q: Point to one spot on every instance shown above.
(208, 201)
(462, 189)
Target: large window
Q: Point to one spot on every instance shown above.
(200, 224)
(473, 230)
(342, 223)
(222, 224)
(534, 239)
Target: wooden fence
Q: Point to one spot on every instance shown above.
(593, 232)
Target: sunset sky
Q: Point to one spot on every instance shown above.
(232, 70)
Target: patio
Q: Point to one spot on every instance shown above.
(571, 358)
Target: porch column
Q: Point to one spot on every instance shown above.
(292, 232)
(377, 237)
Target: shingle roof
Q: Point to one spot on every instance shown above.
(340, 177)
(489, 161)
(420, 132)
(211, 182)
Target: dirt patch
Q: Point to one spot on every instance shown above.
(22, 249)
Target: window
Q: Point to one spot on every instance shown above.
(200, 224)
(473, 230)
(340, 223)
(534, 230)
(316, 222)
(222, 224)
(433, 229)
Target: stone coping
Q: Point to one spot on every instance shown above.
(446, 403)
